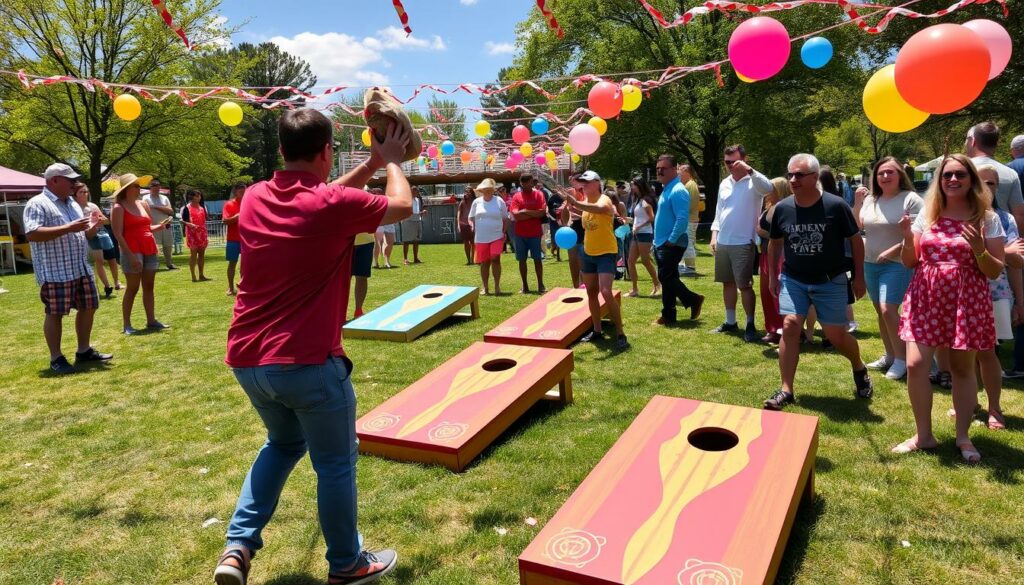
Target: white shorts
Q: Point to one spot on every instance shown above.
(1004, 322)
(386, 229)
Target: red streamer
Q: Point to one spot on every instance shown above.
(550, 18)
(850, 8)
(403, 16)
(166, 16)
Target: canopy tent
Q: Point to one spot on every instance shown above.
(19, 185)
(15, 186)
(929, 166)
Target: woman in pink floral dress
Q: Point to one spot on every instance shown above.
(956, 244)
(193, 215)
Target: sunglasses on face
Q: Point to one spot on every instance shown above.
(793, 176)
(661, 170)
(960, 175)
(886, 173)
(729, 163)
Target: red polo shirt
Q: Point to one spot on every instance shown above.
(297, 235)
(524, 200)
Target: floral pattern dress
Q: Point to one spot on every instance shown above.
(196, 237)
(948, 303)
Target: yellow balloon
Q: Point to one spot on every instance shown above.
(230, 113)
(127, 107)
(567, 148)
(366, 137)
(526, 149)
(631, 97)
(744, 78)
(599, 124)
(550, 155)
(482, 128)
(884, 105)
(553, 164)
(575, 158)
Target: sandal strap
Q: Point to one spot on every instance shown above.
(239, 553)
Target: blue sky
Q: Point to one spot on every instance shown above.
(360, 42)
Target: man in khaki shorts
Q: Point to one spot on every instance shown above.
(740, 197)
(160, 209)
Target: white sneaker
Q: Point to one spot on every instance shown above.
(897, 371)
(881, 363)
(852, 328)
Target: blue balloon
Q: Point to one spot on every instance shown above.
(621, 232)
(447, 148)
(539, 126)
(565, 238)
(816, 52)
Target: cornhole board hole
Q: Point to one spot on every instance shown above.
(408, 316)
(692, 493)
(453, 413)
(557, 319)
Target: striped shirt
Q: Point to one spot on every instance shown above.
(64, 258)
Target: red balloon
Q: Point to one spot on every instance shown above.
(605, 100)
(942, 68)
(520, 134)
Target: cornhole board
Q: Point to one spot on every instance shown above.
(692, 493)
(557, 319)
(408, 316)
(453, 413)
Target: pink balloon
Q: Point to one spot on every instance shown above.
(539, 160)
(998, 41)
(432, 151)
(605, 100)
(510, 164)
(584, 139)
(520, 134)
(516, 156)
(759, 48)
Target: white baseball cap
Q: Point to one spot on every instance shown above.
(60, 170)
(1018, 142)
(589, 176)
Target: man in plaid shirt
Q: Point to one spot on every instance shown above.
(57, 230)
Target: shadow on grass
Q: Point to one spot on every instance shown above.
(83, 368)
(296, 579)
(807, 516)
(538, 413)
(1004, 464)
(840, 409)
(448, 323)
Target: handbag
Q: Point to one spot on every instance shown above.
(106, 242)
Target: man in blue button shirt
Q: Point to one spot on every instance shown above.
(670, 223)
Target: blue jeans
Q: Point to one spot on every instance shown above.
(887, 282)
(303, 406)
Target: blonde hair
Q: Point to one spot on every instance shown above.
(780, 188)
(979, 200)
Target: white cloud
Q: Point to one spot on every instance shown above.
(493, 48)
(467, 2)
(346, 60)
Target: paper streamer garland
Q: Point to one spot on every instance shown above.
(550, 18)
(850, 8)
(169, 21)
(403, 16)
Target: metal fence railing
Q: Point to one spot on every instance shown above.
(216, 233)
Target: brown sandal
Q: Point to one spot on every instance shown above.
(229, 574)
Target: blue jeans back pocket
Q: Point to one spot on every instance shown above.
(299, 387)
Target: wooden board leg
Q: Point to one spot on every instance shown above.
(565, 389)
(474, 309)
(807, 498)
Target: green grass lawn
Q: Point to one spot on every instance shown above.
(107, 476)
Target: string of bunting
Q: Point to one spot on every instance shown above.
(850, 8)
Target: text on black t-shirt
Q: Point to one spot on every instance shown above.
(814, 237)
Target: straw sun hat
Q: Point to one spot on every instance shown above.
(130, 179)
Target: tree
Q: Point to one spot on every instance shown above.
(117, 41)
(449, 118)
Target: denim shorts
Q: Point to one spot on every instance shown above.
(232, 251)
(644, 238)
(829, 299)
(887, 281)
(524, 246)
(600, 264)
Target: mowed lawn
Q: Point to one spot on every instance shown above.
(108, 476)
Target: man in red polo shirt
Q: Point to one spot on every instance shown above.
(233, 250)
(528, 208)
(284, 343)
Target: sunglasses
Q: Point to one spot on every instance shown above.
(960, 175)
(660, 170)
(729, 163)
(887, 173)
(792, 176)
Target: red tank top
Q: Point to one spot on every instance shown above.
(138, 233)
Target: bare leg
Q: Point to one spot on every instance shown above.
(52, 331)
(845, 343)
(485, 271)
(522, 275)
(202, 264)
(634, 253)
(389, 245)
(496, 269)
(812, 318)
(378, 245)
(729, 295)
(574, 266)
(416, 252)
(538, 267)
(789, 349)
(231, 275)
(883, 332)
(919, 362)
(405, 252)
(112, 264)
(128, 298)
(965, 392)
(645, 258)
(592, 300)
(991, 378)
(894, 346)
(83, 328)
(97, 260)
(467, 247)
(192, 253)
(148, 298)
(362, 284)
(749, 300)
(605, 284)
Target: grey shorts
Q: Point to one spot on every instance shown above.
(735, 264)
(150, 262)
(164, 238)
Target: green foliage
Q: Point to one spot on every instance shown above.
(448, 118)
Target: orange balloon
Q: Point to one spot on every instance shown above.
(942, 68)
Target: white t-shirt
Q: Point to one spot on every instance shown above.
(991, 226)
(416, 210)
(881, 218)
(489, 218)
(641, 221)
(161, 200)
(739, 205)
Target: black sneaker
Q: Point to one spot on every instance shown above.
(370, 567)
(157, 326)
(60, 366)
(863, 381)
(750, 334)
(726, 328)
(621, 343)
(592, 336)
(826, 344)
(779, 400)
(91, 355)
(107, 291)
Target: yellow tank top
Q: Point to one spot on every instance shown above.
(599, 237)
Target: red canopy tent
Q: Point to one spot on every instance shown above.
(19, 185)
(16, 187)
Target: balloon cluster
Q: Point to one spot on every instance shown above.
(939, 70)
